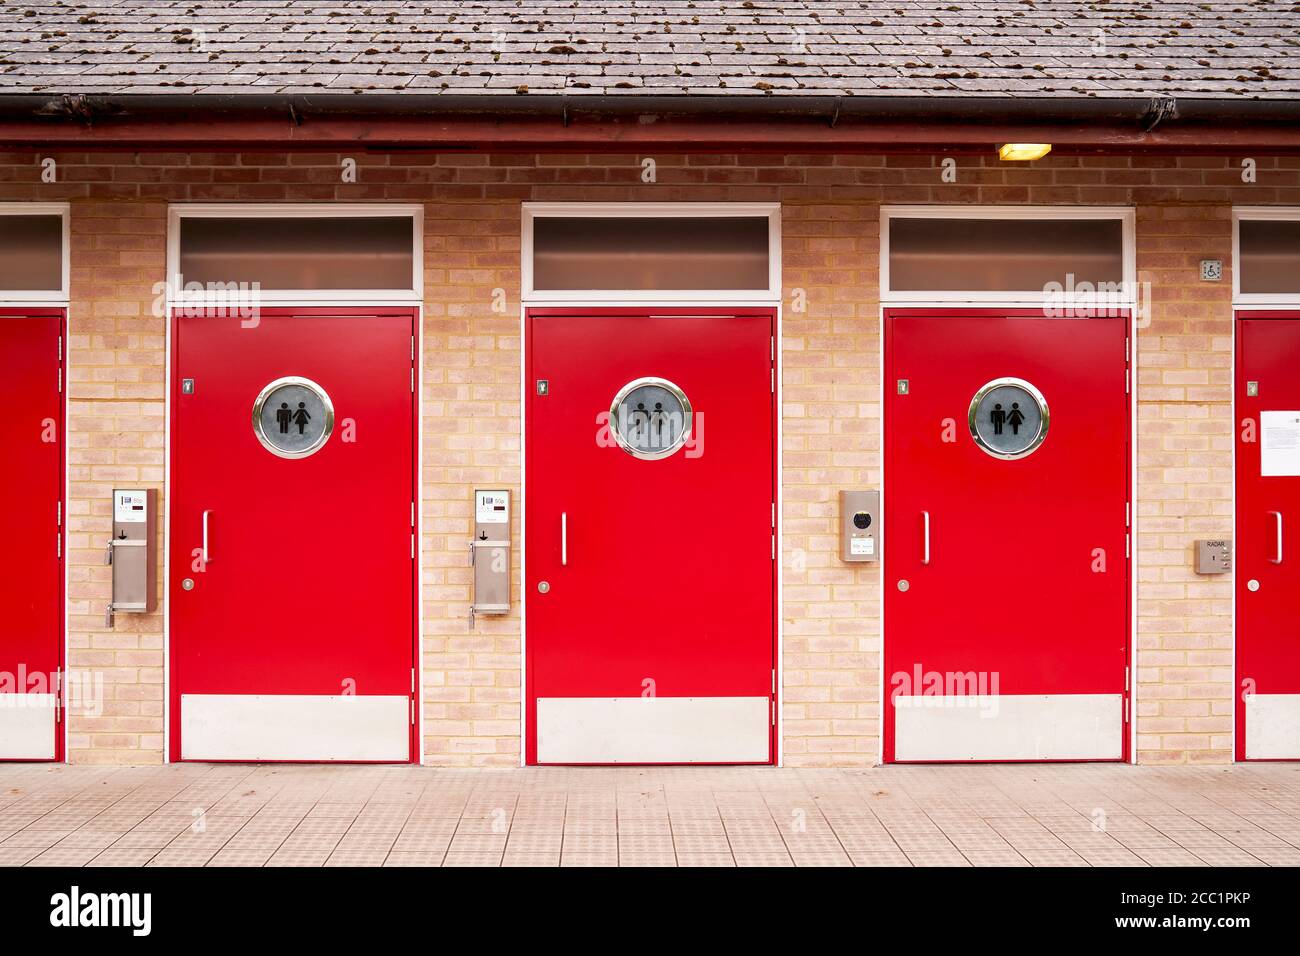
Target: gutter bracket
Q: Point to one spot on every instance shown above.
(1159, 108)
(70, 105)
(835, 118)
(295, 116)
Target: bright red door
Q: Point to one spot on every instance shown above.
(31, 565)
(1267, 572)
(294, 638)
(649, 587)
(1006, 575)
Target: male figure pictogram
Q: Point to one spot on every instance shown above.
(998, 416)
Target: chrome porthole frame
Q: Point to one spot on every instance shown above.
(1044, 415)
(658, 453)
(260, 404)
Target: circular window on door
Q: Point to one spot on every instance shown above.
(293, 417)
(650, 418)
(1009, 418)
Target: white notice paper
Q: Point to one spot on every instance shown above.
(1279, 444)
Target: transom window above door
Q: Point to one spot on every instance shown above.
(1073, 255)
(646, 251)
(296, 252)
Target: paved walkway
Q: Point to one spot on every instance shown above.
(1054, 815)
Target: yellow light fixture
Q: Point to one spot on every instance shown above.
(1019, 152)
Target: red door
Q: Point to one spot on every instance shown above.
(291, 572)
(1267, 570)
(650, 538)
(1006, 575)
(31, 564)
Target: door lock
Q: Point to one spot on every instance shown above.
(543, 586)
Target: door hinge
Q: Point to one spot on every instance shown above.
(412, 379)
(772, 340)
(58, 697)
(773, 681)
(60, 348)
(773, 381)
(1126, 677)
(412, 546)
(774, 712)
(1128, 514)
(412, 680)
(58, 547)
(1128, 376)
(773, 547)
(412, 348)
(1126, 717)
(58, 512)
(774, 514)
(1128, 546)
(412, 514)
(60, 378)
(412, 711)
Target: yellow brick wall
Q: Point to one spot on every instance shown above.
(1185, 435)
(830, 417)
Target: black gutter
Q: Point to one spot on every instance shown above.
(1140, 111)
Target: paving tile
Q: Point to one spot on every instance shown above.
(914, 816)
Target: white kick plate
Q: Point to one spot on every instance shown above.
(653, 729)
(320, 727)
(27, 726)
(1273, 726)
(1009, 727)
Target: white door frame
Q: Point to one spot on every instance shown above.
(1130, 301)
(54, 299)
(769, 298)
(413, 297)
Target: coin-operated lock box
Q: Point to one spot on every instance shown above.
(133, 552)
(860, 530)
(489, 553)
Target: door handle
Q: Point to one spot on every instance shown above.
(1278, 516)
(206, 558)
(925, 530)
(564, 538)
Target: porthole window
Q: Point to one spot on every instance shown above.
(293, 417)
(1009, 418)
(650, 418)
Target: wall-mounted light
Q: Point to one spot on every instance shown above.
(1019, 152)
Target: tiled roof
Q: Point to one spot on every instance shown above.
(787, 48)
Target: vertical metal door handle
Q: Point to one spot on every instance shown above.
(206, 559)
(925, 526)
(1278, 516)
(564, 538)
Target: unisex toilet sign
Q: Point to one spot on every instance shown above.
(650, 418)
(293, 417)
(1008, 418)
